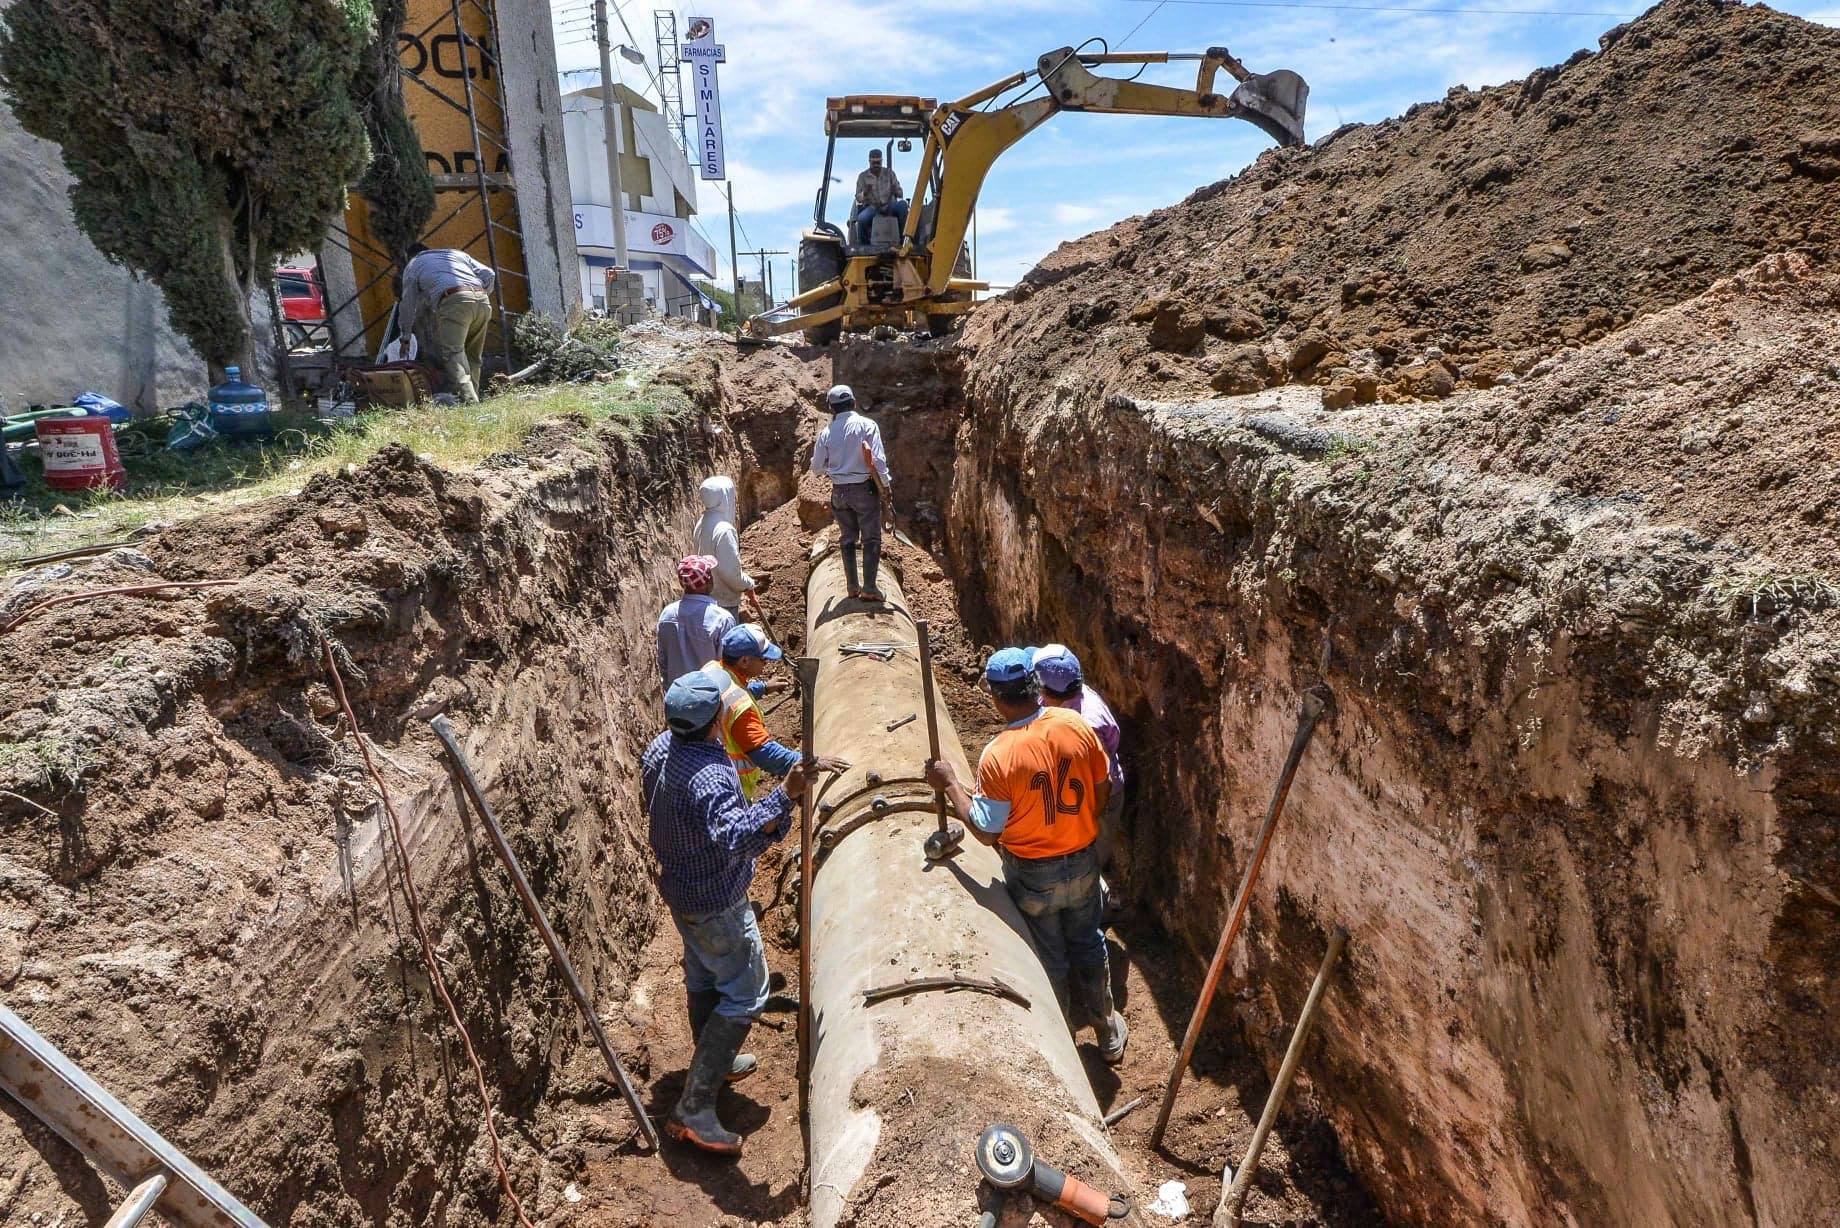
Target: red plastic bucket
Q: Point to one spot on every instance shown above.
(79, 454)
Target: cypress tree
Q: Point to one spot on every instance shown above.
(206, 138)
(398, 185)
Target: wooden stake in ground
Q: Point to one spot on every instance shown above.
(808, 683)
(1227, 1214)
(1315, 702)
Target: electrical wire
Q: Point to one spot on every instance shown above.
(435, 976)
(132, 590)
(433, 964)
(1140, 25)
(1384, 8)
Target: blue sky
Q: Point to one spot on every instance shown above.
(1077, 173)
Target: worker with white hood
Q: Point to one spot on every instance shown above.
(716, 535)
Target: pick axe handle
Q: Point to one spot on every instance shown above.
(932, 710)
(881, 487)
(1315, 701)
(767, 624)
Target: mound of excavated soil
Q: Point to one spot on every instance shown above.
(1471, 236)
(1717, 414)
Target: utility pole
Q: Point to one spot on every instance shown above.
(766, 271)
(603, 37)
(734, 258)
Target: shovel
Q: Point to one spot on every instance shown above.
(887, 499)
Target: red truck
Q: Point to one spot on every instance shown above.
(302, 299)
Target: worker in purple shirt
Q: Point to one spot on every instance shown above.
(706, 836)
(1064, 686)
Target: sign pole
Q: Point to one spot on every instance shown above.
(610, 127)
(734, 258)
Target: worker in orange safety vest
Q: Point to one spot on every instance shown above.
(746, 654)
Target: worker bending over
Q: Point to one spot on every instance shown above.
(1041, 785)
(446, 302)
(849, 452)
(706, 837)
(746, 653)
(690, 629)
(1063, 685)
(878, 191)
(717, 537)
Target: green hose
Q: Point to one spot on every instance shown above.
(21, 426)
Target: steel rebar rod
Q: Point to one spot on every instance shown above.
(808, 684)
(1227, 1214)
(1315, 702)
(139, 1203)
(463, 769)
(927, 701)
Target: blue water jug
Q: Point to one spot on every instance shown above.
(239, 410)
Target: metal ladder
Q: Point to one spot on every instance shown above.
(124, 1147)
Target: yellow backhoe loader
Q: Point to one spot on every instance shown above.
(917, 273)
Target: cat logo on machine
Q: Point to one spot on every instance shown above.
(947, 129)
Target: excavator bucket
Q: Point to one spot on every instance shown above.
(1274, 101)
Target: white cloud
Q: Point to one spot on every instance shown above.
(995, 220)
(1077, 173)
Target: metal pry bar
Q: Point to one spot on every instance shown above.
(947, 984)
(463, 769)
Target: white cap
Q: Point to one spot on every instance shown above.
(840, 394)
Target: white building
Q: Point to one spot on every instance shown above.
(659, 186)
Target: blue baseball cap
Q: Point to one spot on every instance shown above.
(1058, 668)
(747, 640)
(1010, 670)
(692, 701)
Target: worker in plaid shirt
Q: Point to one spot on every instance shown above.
(706, 837)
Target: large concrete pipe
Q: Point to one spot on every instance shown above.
(901, 1086)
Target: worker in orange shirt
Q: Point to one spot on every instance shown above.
(746, 654)
(1041, 786)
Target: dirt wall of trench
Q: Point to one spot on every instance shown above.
(1571, 805)
(194, 904)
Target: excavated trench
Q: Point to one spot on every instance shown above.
(1570, 992)
(207, 913)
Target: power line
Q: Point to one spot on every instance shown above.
(1383, 8)
(1140, 25)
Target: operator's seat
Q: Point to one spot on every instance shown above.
(884, 232)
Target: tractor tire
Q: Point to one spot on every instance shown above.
(820, 261)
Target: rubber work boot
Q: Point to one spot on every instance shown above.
(850, 573)
(694, 1119)
(872, 562)
(703, 1003)
(1108, 1025)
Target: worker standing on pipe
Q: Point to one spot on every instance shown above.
(706, 838)
(746, 653)
(690, 629)
(717, 536)
(856, 500)
(1063, 685)
(1042, 785)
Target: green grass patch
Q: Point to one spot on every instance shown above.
(41, 763)
(171, 486)
(1760, 593)
(1346, 446)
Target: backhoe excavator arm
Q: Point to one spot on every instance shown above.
(965, 142)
